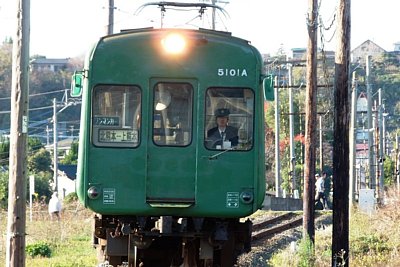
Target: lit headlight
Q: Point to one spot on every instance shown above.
(174, 43)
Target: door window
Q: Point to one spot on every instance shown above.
(172, 114)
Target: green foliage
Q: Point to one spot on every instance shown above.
(70, 198)
(42, 184)
(306, 253)
(4, 151)
(40, 161)
(72, 156)
(34, 144)
(3, 189)
(41, 249)
(370, 243)
(389, 169)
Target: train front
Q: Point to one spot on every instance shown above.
(172, 145)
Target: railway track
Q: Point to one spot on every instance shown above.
(276, 225)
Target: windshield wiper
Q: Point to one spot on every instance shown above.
(215, 156)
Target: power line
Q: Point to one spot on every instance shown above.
(39, 94)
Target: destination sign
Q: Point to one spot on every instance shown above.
(118, 136)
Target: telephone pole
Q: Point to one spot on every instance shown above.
(55, 147)
(311, 118)
(16, 219)
(110, 21)
(278, 190)
(341, 150)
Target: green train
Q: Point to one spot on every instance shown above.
(168, 188)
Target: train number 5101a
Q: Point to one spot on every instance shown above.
(232, 72)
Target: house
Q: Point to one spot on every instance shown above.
(52, 64)
(66, 179)
(367, 48)
(396, 47)
(298, 53)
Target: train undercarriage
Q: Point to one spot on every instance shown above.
(168, 241)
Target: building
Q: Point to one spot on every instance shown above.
(298, 53)
(367, 48)
(52, 64)
(396, 47)
(66, 180)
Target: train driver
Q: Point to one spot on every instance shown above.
(223, 136)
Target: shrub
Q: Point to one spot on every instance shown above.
(71, 198)
(41, 249)
(305, 252)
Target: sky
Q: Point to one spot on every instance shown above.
(67, 28)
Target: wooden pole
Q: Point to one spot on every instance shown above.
(110, 17)
(16, 220)
(341, 150)
(311, 119)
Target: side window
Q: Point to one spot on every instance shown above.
(116, 111)
(229, 118)
(172, 114)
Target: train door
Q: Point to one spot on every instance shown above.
(230, 150)
(171, 156)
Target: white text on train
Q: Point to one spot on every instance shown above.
(232, 72)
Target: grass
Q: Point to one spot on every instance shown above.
(374, 240)
(69, 240)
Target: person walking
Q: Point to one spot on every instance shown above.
(320, 191)
(55, 207)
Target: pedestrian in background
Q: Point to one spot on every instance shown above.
(55, 207)
(320, 191)
(327, 188)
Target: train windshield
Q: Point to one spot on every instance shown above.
(116, 115)
(172, 113)
(229, 118)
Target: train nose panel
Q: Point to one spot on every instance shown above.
(170, 180)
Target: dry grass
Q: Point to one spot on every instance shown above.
(69, 239)
(374, 240)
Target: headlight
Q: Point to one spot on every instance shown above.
(93, 192)
(174, 43)
(247, 197)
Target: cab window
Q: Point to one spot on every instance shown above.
(172, 114)
(229, 118)
(116, 111)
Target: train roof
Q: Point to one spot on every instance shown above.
(199, 30)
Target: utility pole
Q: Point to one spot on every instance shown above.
(311, 118)
(291, 129)
(352, 136)
(321, 146)
(213, 14)
(397, 166)
(371, 163)
(277, 133)
(381, 145)
(110, 21)
(16, 219)
(55, 148)
(340, 233)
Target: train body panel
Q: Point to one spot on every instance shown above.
(171, 149)
(150, 178)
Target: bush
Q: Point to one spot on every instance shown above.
(71, 198)
(370, 243)
(41, 249)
